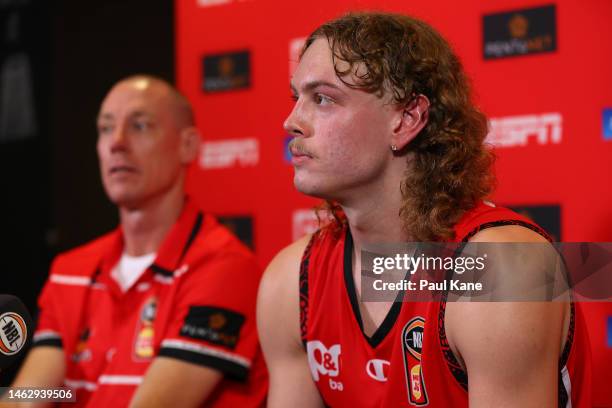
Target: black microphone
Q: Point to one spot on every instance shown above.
(15, 329)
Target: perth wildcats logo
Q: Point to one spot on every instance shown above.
(412, 346)
(13, 333)
(143, 344)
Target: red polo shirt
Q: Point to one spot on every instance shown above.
(196, 303)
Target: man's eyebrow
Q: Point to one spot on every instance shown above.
(309, 86)
(106, 116)
(133, 115)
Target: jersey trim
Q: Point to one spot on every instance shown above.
(232, 365)
(120, 379)
(47, 338)
(389, 321)
(502, 223)
(81, 384)
(167, 273)
(304, 288)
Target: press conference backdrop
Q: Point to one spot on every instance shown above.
(540, 70)
(541, 73)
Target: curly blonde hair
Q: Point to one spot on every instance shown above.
(450, 169)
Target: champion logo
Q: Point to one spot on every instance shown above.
(13, 333)
(377, 369)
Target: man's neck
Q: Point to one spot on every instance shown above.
(373, 215)
(144, 228)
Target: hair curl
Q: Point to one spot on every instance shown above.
(450, 167)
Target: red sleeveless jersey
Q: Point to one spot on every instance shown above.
(407, 361)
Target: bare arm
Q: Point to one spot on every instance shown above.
(510, 349)
(43, 367)
(291, 384)
(171, 382)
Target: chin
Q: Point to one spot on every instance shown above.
(311, 189)
(124, 198)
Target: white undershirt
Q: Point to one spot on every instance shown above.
(130, 268)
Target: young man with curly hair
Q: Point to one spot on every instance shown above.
(386, 133)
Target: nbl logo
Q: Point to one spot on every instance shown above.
(412, 345)
(13, 333)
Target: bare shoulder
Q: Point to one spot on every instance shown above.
(278, 298)
(508, 233)
(288, 259)
(487, 337)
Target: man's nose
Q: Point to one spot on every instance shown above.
(294, 124)
(119, 140)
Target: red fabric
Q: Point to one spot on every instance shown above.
(216, 271)
(598, 316)
(344, 364)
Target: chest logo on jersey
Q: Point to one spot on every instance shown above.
(82, 353)
(143, 343)
(377, 369)
(412, 347)
(324, 361)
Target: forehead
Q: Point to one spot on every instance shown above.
(126, 98)
(316, 65)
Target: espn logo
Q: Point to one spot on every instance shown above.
(223, 154)
(511, 131)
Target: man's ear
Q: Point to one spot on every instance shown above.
(190, 144)
(411, 120)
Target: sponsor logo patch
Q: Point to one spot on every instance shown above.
(412, 346)
(225, 72)
(324, 361)
(213, 324)
(520, 32)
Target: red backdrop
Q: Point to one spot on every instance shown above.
(570, 169)
(573, 81)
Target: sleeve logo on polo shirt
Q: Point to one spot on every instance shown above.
(213, 324)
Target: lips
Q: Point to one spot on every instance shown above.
(121, 169)
(295, 152)
(297, 149)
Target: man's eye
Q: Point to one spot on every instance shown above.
(104, 129)
(141, 126)
(322, 99)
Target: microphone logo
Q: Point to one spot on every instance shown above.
(13, 333)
